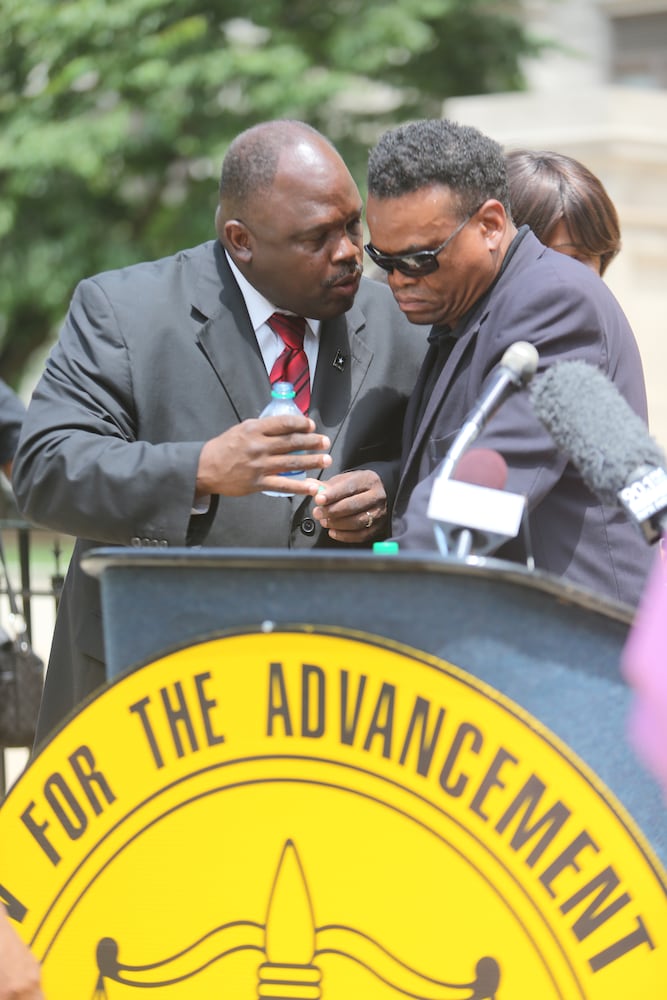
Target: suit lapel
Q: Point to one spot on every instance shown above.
(411, 421)
(434, 404)
(342, 363)
(227, 338)
(228, 341)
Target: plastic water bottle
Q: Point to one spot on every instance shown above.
(282, 402)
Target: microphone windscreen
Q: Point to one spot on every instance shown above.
(594, 426)
(482, 467)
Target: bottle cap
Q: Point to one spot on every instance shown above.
(385, 548)
(282, 390)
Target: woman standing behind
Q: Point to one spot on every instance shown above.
(565, 205)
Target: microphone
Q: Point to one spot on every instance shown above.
(484, 467)
(471, 510)
(517, 367)
(606, 441)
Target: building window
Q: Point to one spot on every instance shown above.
(639, 50)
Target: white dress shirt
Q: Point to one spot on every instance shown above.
(271, 343)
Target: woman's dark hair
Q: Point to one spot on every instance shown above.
(546, 187)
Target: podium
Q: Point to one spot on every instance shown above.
(552, 648)
(341, 774)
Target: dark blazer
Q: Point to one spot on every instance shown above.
(567, 312)
(154, 360)
(12, 413)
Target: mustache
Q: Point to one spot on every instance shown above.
(349, 272)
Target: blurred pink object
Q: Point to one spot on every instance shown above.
(644, 666)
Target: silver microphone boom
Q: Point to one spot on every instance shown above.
(517, 367)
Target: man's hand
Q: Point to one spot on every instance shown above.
(19, 971)
(249, 457)
(352, 506)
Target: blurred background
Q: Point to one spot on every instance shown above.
(115, 116)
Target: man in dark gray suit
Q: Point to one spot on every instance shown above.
(440, 223)
(143, 429)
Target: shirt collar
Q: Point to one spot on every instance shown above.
(259, 308)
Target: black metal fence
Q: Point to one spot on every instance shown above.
(19, 560)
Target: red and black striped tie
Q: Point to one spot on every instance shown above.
(292, 364)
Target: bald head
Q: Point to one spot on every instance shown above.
(251, 162)
(289, 217)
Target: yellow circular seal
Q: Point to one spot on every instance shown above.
(323, 814)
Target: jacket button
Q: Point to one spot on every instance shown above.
(308, 526)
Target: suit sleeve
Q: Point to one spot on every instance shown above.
(80, 467)
(12, 413)
(565, 324)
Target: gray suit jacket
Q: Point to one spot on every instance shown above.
(12, 413)
(567, 312)
(154, 360)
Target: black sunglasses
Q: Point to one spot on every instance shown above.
(419, 262)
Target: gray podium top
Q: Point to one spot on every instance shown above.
(552, 648)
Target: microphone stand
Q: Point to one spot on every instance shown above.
(466, 435)
(517, 367)
(463, 544)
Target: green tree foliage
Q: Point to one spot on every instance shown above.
(115, 115)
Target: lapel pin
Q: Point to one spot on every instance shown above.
(339, 361)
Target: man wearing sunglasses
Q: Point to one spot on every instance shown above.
(440, 223)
